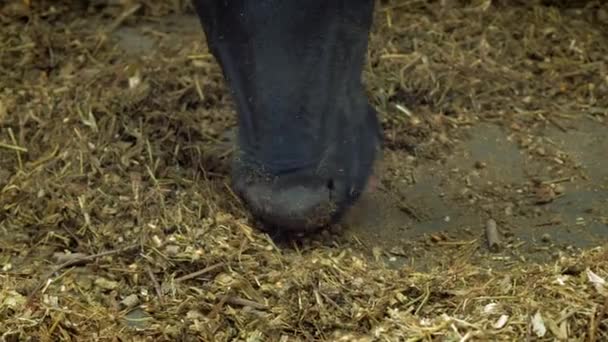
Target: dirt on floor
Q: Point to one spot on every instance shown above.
(489, 222)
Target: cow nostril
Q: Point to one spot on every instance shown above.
(330, 184)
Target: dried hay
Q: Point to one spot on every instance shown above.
(116, 222)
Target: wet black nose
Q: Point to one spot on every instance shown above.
(292, 203)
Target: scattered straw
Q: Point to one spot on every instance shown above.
(110, 149)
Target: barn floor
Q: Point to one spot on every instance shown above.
(117, 222)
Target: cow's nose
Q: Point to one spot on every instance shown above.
(291, 204)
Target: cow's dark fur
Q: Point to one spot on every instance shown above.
(307, 136)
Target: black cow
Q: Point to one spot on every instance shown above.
(307, 137)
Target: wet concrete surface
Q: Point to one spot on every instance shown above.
(577, 218)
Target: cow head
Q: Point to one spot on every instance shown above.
(307, 136)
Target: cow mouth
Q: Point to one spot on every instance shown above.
(291, 201)
(307, 199)
(291, 208)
